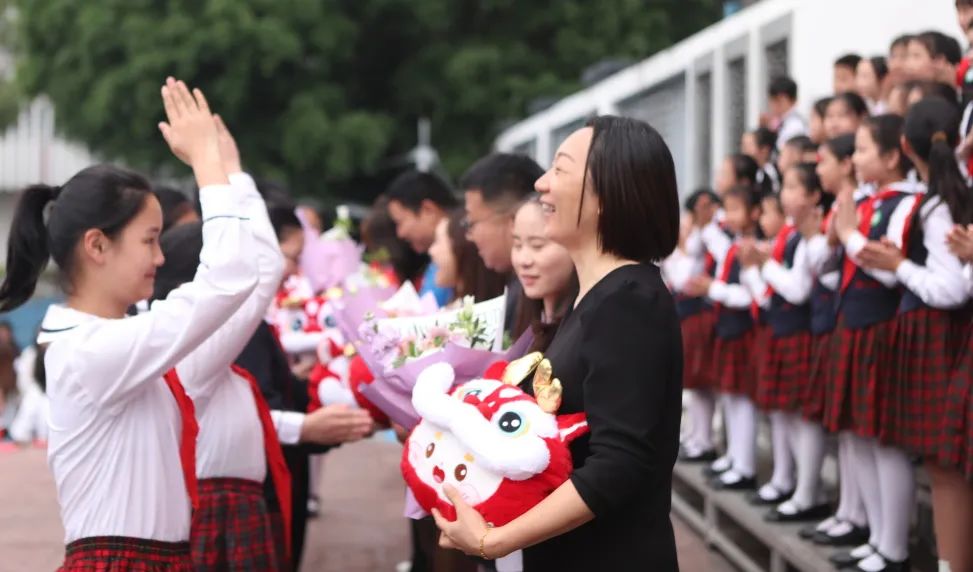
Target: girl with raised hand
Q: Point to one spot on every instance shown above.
(123, 430)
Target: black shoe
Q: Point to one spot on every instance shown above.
(756, 500)
(809, 532)
(811, 513)
(744, 484)
(855, 537)
(704, 457)
(845, 559)
(892, 566)
(709, 472)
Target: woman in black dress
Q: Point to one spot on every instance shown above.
(610, 198)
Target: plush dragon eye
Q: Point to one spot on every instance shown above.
(430, 449)
(512, 423)
(460, 472)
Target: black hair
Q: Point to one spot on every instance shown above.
(634, 177)
(765, 138)
(842, 146)
(752, 197)
(174, 203)
(939, 45)
(473, 278)
(275, 193)
(802, 143)
(502, 179)
(901, 41)
(692, 199)
(181, 246)
(744, 167)
(853, 101)
(808, 175)
(284, 220)
(101, 197)
(783, 85)
(412, 188)
(938, 89)
(881, 67)
(821, 106)
(848, 61)
(381, 243)
(886, 131)
(932, 130)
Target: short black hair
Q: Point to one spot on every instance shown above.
(283, 219)
(939, 45)
(634, 177)
(765, 137)
(802, 143)
(821, 106)
(853, 101)
(412, 188)
(938, 89)
(901, 41)
(692, 199)
(502, 178)
(175, 204)
(783, 85)
(848, 61)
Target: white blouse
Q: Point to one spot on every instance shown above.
(114, 424)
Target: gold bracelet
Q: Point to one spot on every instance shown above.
(483, 541)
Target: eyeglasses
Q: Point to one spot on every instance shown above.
(468, 224)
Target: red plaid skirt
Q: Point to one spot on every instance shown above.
(912, 395)
(812, 398)
(956, 438)
(124, 554)
(232, 528)
(859, 360)
(783, 371)
(733, 364)
(697, 350)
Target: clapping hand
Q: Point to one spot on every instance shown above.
(960, 242)
(846, 217)
(883, 255)
(698, 286)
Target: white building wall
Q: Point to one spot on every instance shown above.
(817, 32)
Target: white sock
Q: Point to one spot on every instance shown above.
(897, 485)
(743, 446)
(863, 551)
(866, 472)
(701, 406)
(783, 477)
(827, 524)
(851, 508)
(873, 563)
(810, 455)
(729, 427)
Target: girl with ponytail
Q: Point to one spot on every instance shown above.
(926, 341)
(122, 429)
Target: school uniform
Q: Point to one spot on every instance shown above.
(231, 528)
(926, 338)
(122, 429)
(956, 427)
(783, 285)
(696, 317)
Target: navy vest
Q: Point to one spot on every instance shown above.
(783, 317)
(731, 323)
(867, 301)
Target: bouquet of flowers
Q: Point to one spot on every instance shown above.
(330, 258)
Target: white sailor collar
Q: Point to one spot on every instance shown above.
(59, 320)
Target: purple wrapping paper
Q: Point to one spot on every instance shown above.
(351, 309)
(392, 391)
(326, 262)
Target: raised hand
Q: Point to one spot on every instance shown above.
(229, 151)
(191, 132)
(334, 424)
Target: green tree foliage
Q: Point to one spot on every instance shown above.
(323, 92)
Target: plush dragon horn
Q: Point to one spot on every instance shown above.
(518, 370)
(547, 391)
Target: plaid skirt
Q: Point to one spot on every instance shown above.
(232, 529)
(859, 360)
(812, 396)
(733, 364)
(956, 431)
(125, 554)
(912, 394)
(697, 350)
(783, 371)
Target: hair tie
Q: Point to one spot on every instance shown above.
(940, 137)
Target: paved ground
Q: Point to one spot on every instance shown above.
(360, 528)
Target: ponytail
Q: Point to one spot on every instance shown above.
(27, 248)
(932, 130)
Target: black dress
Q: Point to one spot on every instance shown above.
(619, 357)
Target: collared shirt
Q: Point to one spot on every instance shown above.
(114, 425)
